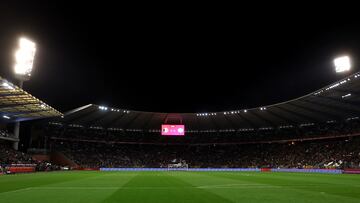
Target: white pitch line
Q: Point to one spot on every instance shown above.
(12, 191)
(262, 186)
(244, 187)
(107, 188)
(229, 185)
(224, 186)
(238, 186)
(112, 188)
(75, 188)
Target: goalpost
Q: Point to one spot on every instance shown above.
(178, 167)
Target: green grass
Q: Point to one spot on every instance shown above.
(169, 187)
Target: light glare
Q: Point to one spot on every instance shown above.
(7, 86)
(24, 57)
(342, 64)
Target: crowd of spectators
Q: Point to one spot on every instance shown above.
(327, 145)
(11, 157)
(4, 133)
(328, 153)
(331, 145)
(310, 130)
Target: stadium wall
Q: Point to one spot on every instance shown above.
(41, 157)
(60, 159)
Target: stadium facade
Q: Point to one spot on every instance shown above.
(336, 102)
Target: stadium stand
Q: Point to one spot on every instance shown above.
(336, 102)
(326, 152)
(323, 130)
(17, 105)
(4, 133)
(15, 161)
(10, 156)
(318, 130)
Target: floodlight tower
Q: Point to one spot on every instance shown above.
(24, 58)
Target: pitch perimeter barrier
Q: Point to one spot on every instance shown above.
(328, 171)
(20, 169)
(180, 169)
(307, 170)
(352, 171)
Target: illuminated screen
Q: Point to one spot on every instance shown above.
(173, 130)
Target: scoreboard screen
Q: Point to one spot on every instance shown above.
(172, 130)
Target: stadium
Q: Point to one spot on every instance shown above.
(302, 146)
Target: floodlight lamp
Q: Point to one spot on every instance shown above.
(24, 57)
(342, 64)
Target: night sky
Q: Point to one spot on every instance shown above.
(174, 61)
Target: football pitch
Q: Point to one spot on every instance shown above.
(197, 187)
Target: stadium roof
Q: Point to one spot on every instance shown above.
(338, 101)
(18, 105)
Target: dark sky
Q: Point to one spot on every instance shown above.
(174, 61)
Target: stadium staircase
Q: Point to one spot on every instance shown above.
(56, 158)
